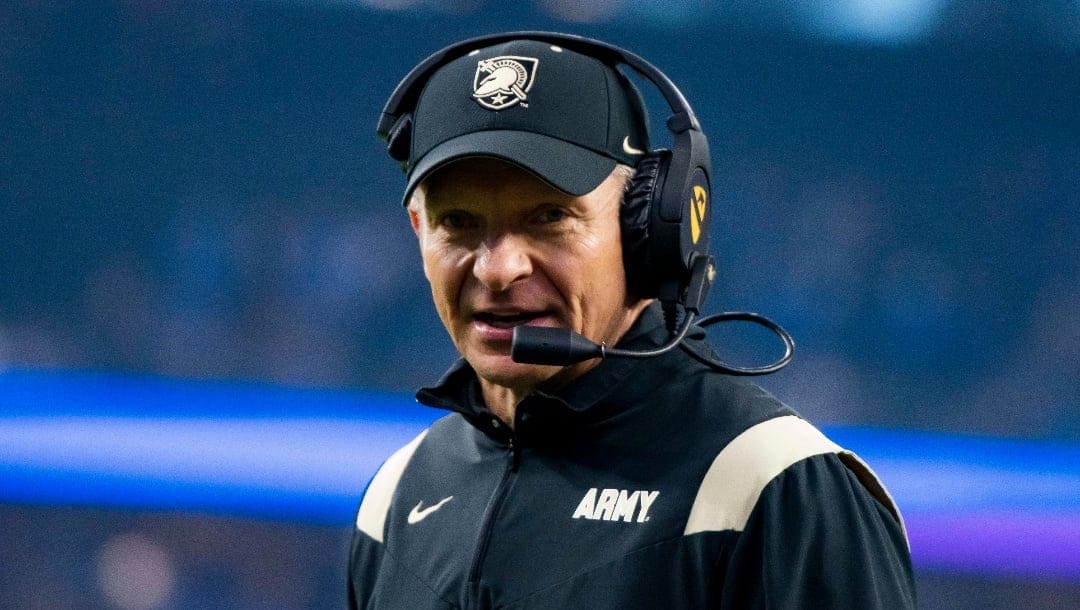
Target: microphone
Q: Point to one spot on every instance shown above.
(557, 346)
(563, 347)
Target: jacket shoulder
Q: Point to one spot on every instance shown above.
(745, 466)
(371, 517)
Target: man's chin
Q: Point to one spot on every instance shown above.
(502, 371)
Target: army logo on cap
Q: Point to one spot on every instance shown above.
(501, 82)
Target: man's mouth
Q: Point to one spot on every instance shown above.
(508, 320)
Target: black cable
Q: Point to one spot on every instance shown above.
(745, 316)
(688, 321)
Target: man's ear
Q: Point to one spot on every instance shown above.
(414, 219)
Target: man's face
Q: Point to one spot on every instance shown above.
(501, 247)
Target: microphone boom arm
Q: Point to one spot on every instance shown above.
(563, 347)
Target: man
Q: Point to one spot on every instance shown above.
(608, 483)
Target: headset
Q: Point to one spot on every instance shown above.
(664, 218)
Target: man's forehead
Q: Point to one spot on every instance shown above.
(479, 173)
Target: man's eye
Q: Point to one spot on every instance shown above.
(551, 215)
(456, 220)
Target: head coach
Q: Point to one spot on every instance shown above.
(596, 453)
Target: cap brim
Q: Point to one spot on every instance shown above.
(568, 167)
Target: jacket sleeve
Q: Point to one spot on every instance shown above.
(369, 534)
(365, 558)
(817, 537)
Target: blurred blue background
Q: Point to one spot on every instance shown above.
(194, 210)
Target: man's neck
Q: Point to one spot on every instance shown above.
(502, 401)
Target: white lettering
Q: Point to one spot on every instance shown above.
(615, 505)
(647, 498)
(606, 504)
(625, 507)
(585, 507)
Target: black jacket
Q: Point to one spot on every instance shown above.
(653, 483)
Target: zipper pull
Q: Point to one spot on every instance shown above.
(515, 454)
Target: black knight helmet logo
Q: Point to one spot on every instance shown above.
(501, 82)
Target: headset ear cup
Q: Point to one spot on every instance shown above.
(635, 216)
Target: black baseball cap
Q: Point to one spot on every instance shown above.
(564, 116)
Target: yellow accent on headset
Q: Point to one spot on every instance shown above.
(697, 212)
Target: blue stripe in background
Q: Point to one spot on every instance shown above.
(249, 450)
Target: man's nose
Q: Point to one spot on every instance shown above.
(501, 261)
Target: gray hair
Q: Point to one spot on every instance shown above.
(626, 173)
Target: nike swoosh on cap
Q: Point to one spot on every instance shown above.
(630, 149)
(417, 514)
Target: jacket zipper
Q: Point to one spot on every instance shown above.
(489, 517)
